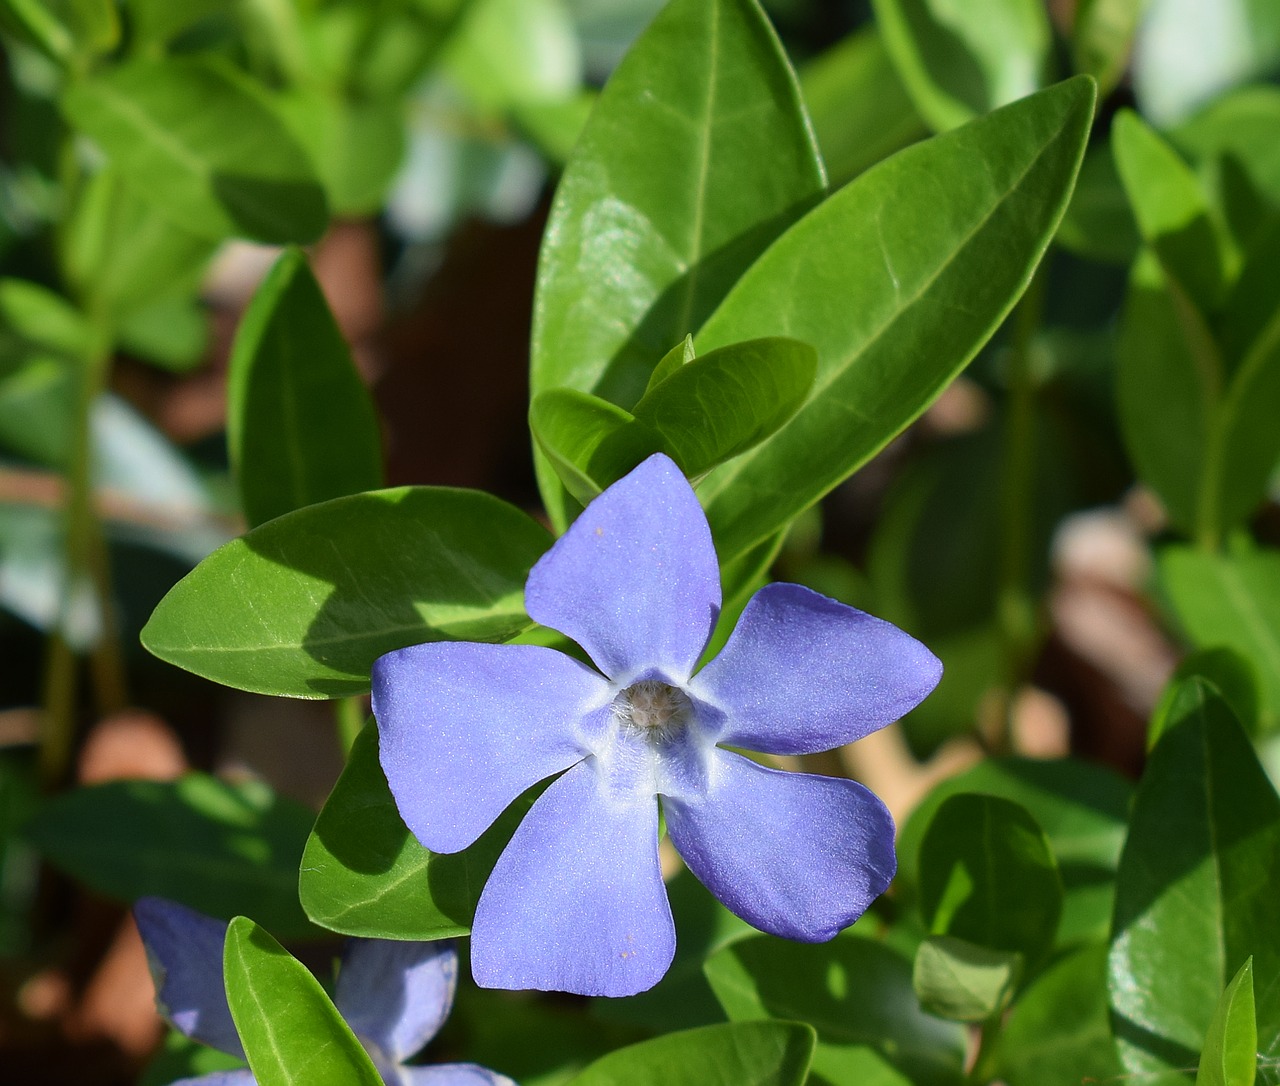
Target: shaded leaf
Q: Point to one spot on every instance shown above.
(964, 982)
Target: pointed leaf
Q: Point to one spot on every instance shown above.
(291, 1031)
(363, 873)
(303, 605)
(589, 442)
(894, 307)
(301, 426)
(1197, 893)
(696, 156)
(1230, 1055)
(196, 139)
(678, 356)
(741, 1054)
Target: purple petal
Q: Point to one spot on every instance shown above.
(184, 952)
(794, 854)
(239, 1077)
(634, 580)
(576, 902)
(463, 729)
(396, 995)
(803, 673)
(451, 1074)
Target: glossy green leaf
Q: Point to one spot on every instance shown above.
(1172, 211)
(64, 29)
(959, 62)
(963, 982)
(1058, 1032)
(291, 1031)
(738, 1054)
(696, 156)
(1101, 38)
(198, 140)
(218, 848)
(682, 353)
(1230, 672)
(1168, 385)
(363, 873)
(1230, 1054)
(897, 280)
(303, 605)
(988, 875)
(1083, 810)
(857, 994)
(1197, 893)
(860, 110)
(588, 442)
(1231, 600)
(301, 426)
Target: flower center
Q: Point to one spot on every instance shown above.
(653, 709)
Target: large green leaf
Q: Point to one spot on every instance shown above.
(301, 426)
(1231, 600)
(739, 1054)
(1197, 893)
(220, 848)
(303, 605)
(988, 875)
(198, 140)
(897, 280)
(960, 61)
(291, 1031)
(696, 156)
(857, 993)
(363, 873)
(1083, 810)
(1230, 1055)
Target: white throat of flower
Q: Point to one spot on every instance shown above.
(653, 710)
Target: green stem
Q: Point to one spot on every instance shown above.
(984, 1063)
(351, 714)
(1015, 606)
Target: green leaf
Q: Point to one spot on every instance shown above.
(1173, 211)
(198, 140)
(696, 156)
(1168, 383)
(964, 982)
(1228, 671)
(216, 847)
(1099, 223)
(1083, 810)
(291, 1031)
(1101, 38)
(363, 873)
(988, 875)
(739, 1054)
(860, 110)
(301, 426)
(895, 311)
(857, 993)
(172, 332)
(303, 605)
(1058, 1032)
(1231, 600)
(34, 318)
(959, 62)
(1243, 124)
(64, 29)
(678, 356)
(1230, 1054)
(1198, 891)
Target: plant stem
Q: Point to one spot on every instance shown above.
(983, 1069)
(1015, 607)
(351, 714)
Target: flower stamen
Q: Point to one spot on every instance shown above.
(652, 709)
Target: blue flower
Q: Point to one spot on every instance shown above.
(576, 901)
(395, 996)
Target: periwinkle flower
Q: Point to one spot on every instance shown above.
(395, 996)
(576, 901)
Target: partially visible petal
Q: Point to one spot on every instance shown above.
(802, 673)
(464, 728)
(451, 1074)
(396, 994)
(184, 952)
(239, 1077)
(793, 854)
(634, 580)
(576, 902)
